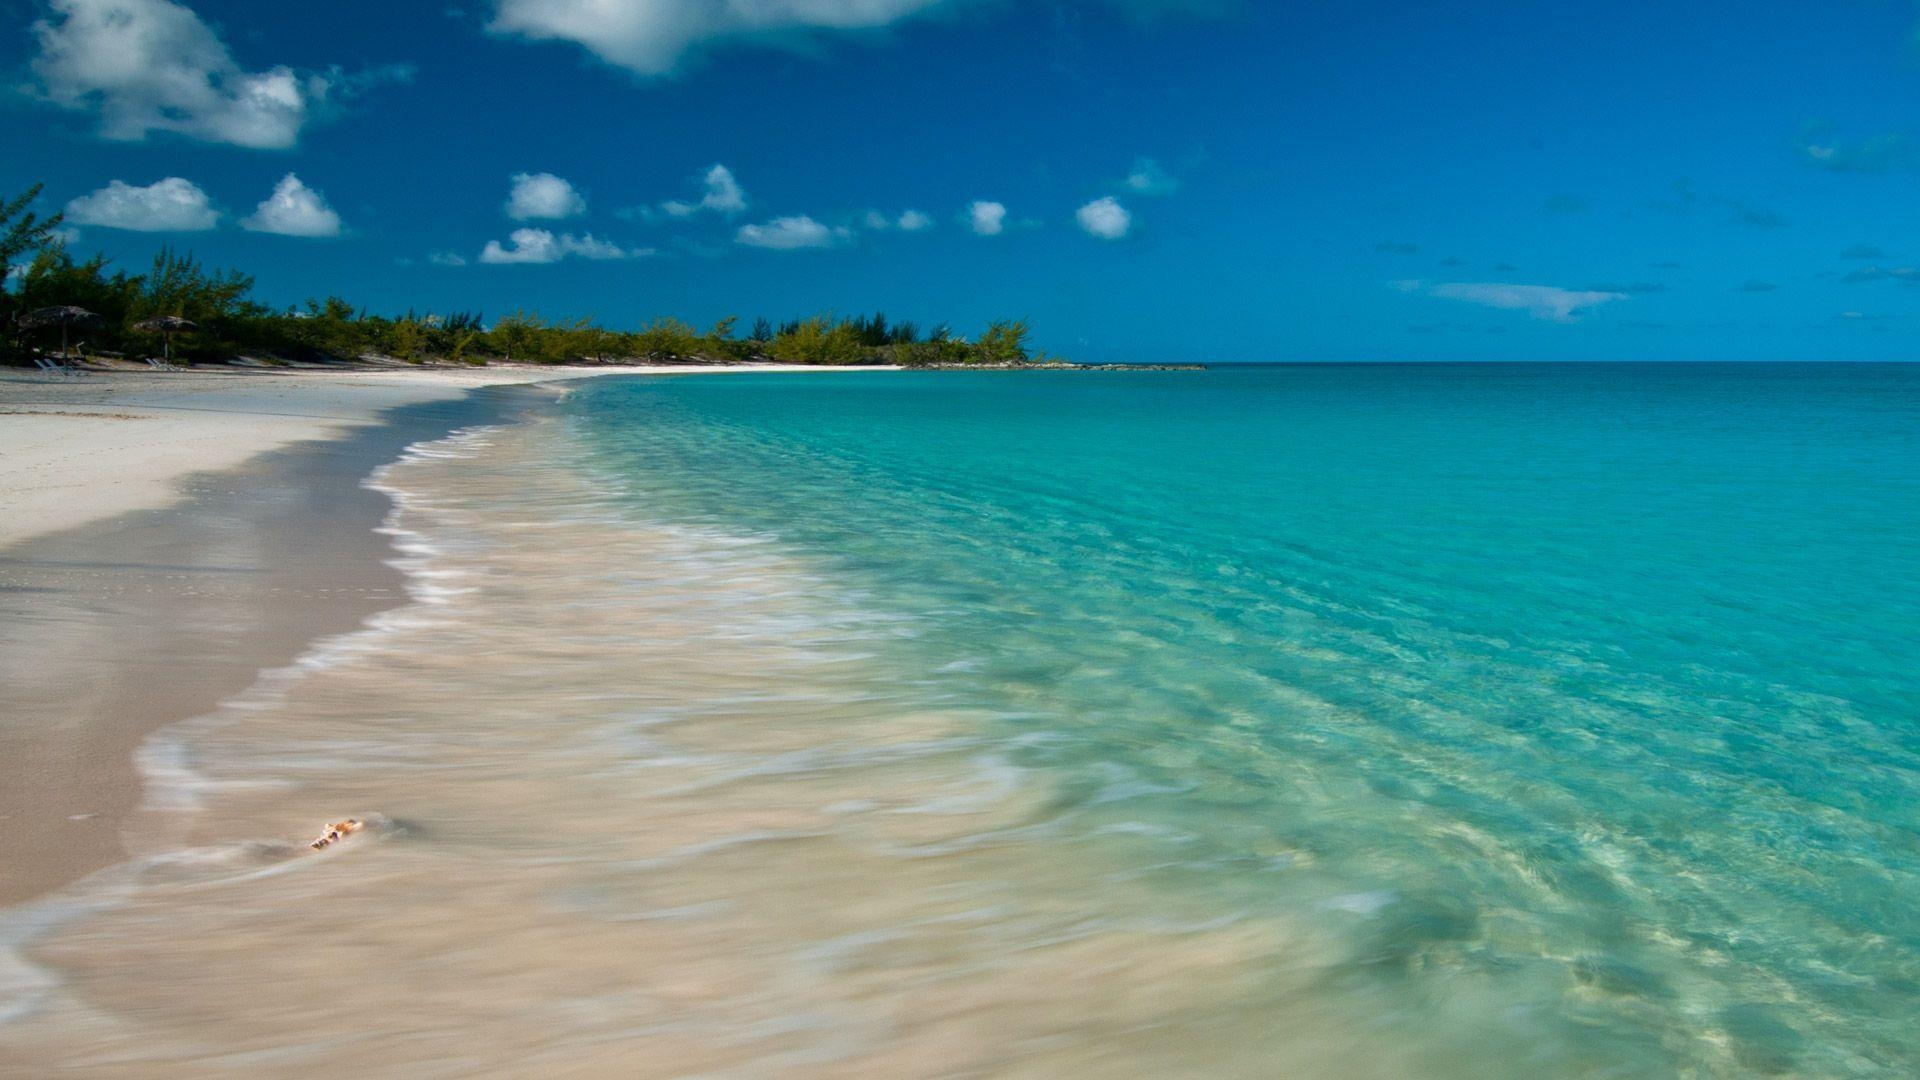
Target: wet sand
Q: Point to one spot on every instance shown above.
(166, 536)
(114, 629)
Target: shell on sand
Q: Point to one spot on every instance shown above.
(337, 832)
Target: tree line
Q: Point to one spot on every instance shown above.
(41, 273)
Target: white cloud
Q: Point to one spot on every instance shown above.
(652, 36)
(538, 246)
(152, 65)
(789, 234)
(170, 205)
(294, 209)
(908, 221)
(1105, 218)
(720, 193)
(447, 258)
(1148, 178)
(543, 196)
(1541, 301)
(987, 218)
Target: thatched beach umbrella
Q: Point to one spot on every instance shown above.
(166, 326)
(65, 315)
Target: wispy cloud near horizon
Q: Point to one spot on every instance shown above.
(792, 233)
(539, 247)
(1148, 178)
(1547, 302)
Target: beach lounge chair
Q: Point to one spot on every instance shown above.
(55, 367)
(162, 365)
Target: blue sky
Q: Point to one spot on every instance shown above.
(1180, 179)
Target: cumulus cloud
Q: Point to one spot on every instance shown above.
(987, 218)
(1148, 178)
(1104, 218)
(170, 205)
(543, 197)
(447, 258)
(539, 246)
(294, 209)
(720, 193)
(153, 65)
(1541, 301)
(789, 234)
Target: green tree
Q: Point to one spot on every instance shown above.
(218, 302)
(329, 328)
(1005, 342)
(21, 231)
(406, 339)
(819, 340)
(517, 336)
(53, 279)
(666, 338)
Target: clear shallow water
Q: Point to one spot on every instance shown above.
(1589, 694)
(1373, 722)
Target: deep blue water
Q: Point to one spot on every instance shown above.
(1578, 705)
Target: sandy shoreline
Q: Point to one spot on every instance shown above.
(74, 450)
(166, 537)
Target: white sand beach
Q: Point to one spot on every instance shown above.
(153, 561)
(79, 449)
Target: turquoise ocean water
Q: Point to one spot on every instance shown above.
(1571, 711)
